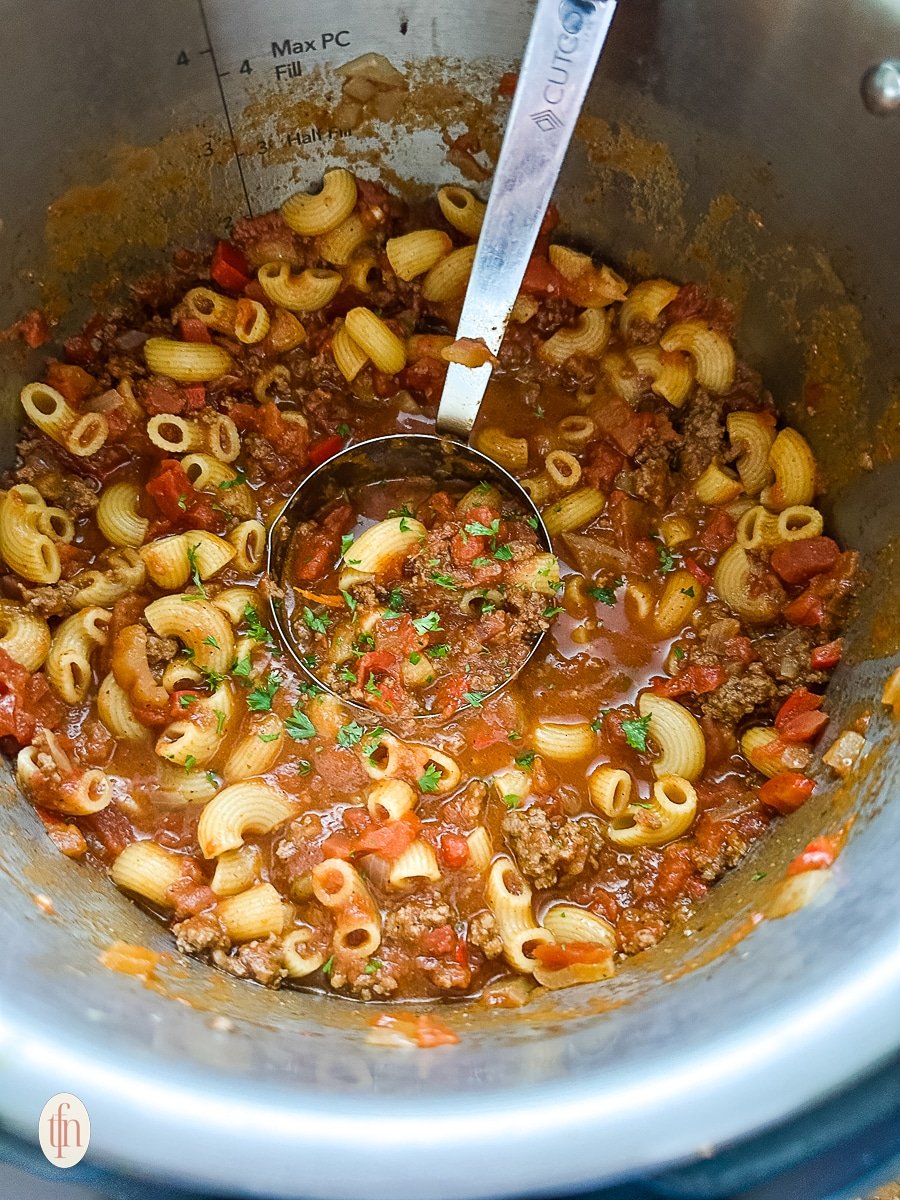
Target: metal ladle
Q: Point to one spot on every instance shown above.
(563, 48)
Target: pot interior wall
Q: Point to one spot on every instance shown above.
(716, 147)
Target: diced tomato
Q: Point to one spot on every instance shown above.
(823, 658)
(356, 819)
(110, 828)
(453, 850)
(622, 426)
(372, 662)
(675, 872)
(338, 845)
(450, 693)
(25, 701)
(178, 500)
(441, 940)
(426, 376)
(193, 330)
(691, 681)
(798, 719)
(697, 571)
(229, 268)
(507, 84)
(72, 382)
(195, 395)
(798, 562)
(556, 956)
(466, 547)
(388, 698)
(72, 559)
(322, 451)
(807, 610)
(719, 532)
(819, 855)
(601, 466)
(159, 397)
(32, 328)
(787, 792)
(542, 278)
(390, 840)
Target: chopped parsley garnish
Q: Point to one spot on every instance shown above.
(438, 651)
(240, 478)
(511, 801)
(532, 521)
(298, 725)
(503, 554)
(526, 761)
(212, 779)
(474, 699)
(365, 639)
(688, 591)
(373, 965)
(759, 875)
(316, 623)
(404, 525)
(190, 762)
(348, 675)
(597, 723)
(552, 612)
(349, 735)
(242, 667)
(479, 529)
(209, 640)
(349, 601)
(220, 721)
(430, 623)
(186, 699)
(195, 569)
(403, 511)
(514, 736)
(268, 737)
(606, 595)
(666, 559)
(346, 543)
(304, 766)
(372, 687)
(444, 581)
(212, 679)
(343, 429)
(372, 741)
(415, 658)
(182, 502)
(636, 732)
(310, 689)
(430, 781)
(328, 966)
(481, 562)
(395, 605)
(680, 653)
(310, 661)
(255, 627)
(260, 699)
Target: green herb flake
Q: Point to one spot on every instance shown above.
(680, 653)
(349, 735)
(318, 624)
(220, 721)
(503, 554)
(304, 766)
(255, 627)
(328, 966)
(404, 525)
(186, 699)
(440, 651)
(474, 699)
(343, 430)
(298, 725)
(415, 658)
(666, 559)
(195, 569)
(688, 591)
(373, 966)
(549, 613)
(190, 762)
(309, 689)
(242, 667)
(431, 780)
(758, 876)
(636, 732)
(526, 761)
(403, 511)
(260, 699)
(606, 595)
(532, 521)
(239, 479)
(511, 801)
(514, 736)
(481, 561)
(349, 601)
(182, 502)
(212, 779)
(268, 737)
(430, 623)
(479, 529)
(346, 543)
(209, 640)
(347, 675)
(444, 581)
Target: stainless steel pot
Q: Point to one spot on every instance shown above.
(724, 140)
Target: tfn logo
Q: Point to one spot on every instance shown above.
(546, 120)
(64, 1130)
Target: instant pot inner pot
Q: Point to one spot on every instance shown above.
(725, 143)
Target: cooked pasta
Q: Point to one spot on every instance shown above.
(317, 213)
(677, 733)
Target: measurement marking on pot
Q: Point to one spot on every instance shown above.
(219, 74)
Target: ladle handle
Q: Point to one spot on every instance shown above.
(563, 47)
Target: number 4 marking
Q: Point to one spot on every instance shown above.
(246, 69)
(182, 60)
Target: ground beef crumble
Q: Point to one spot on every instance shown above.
(548, 852)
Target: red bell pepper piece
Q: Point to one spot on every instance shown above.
(823, 658)
(806, 610)
(787, 792)
(819, 855)
(193, 330)
(798, 719)
(229, 269)
(325, 449)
